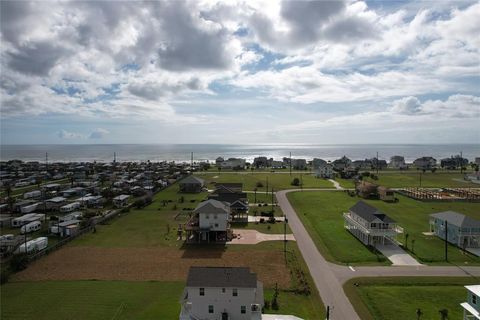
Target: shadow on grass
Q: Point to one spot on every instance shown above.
(202, 251)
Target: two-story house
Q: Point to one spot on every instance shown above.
(222, 293)
(459, 229)
(370, 225)
(231, 194)
(191, 184)
(210, 222)
(325, 171)
(471, 308)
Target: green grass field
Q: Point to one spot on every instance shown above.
(279, 181)
(399, 298)
(91, 300)
(321, 213)
(428, 179)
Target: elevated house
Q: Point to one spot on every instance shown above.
(210, 222)
(397, 162)
(325, 171)
(461, 230)
(261, 162)
(191, 184)
(317, 163)
(425, 163)
(342, 163)
(222, 293)
(299, 164)
(233, 163)
(453, 162)
(369, 225)
(471, 308)
(232, 195)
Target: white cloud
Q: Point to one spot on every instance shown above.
(64, 134)
(98, 133)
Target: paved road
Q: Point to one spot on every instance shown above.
(329, 287)
(330, 277)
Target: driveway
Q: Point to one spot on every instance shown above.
(397, 255)
(248, 236)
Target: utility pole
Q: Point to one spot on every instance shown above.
(328, 312)
(267, 189)
(285, 221)
(290, 163)
(461, 161)
(191, 161)
(272, 202)
(420, 179)
(446, 240)
(376, 164)
(46, 161)
(114, 157)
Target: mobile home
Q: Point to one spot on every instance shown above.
(31, 227)
(26, 219)
(34, 245)
(70, 207)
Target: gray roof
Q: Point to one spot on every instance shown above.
(211, 206)
(192, 180)
(370, 213)
(221, 277)
(457, 219)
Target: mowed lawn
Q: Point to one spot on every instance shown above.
(278, 181)
(91, 300)
(399, 298)
(413, 178)
(322, 215)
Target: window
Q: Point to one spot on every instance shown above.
(216, 225)
(243, 309)
(207, 216)
(202, 291)
(214, 216)
(210, 309)
(235, 292)
(223, 290)
(474, 299)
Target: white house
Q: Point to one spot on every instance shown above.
(210, 222)
(121, 200)
(233, 163)
(426, 163)
(325, 171)
(370, 225)
(222, 293)
(471, 308)
(397, 162)
(299, 164)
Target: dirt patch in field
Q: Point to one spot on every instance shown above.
(143, 264)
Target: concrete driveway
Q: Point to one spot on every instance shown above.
(248, 236)
(397, 255)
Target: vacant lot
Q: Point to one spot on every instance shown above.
(278, 181)
(399, 298)
(427, 179)
(321, 213)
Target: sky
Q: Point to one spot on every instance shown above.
(240, 72)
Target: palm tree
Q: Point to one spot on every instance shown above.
(443, 314)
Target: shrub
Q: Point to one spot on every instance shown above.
(19, 262)
(259, 184)
(295, 182)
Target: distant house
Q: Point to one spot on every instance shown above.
(277, 164)
(299, 164)
(471, 308)
(341, 163)
(260, 162)
(210, 222)
(477, 161)
(453, 162)
(325, 171)
(397, 162)
(233, 163)
(226, 293)
(191, 184)
(462, 230)
(317, 163)
(426, 163)
(121, 201)
(232, 195)
(378, 164)
(219, 161)
(370, 225)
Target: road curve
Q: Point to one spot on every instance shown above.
(329, 277)
(329, 287)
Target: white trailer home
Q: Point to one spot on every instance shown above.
(70, 207)
(35, 194)
(31, 227)
(30, 208)
(121, 200)
(66, 228)
(34, 245)
(26, 219)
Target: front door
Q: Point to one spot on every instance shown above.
(224, 316)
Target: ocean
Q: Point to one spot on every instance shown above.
(202, 152)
